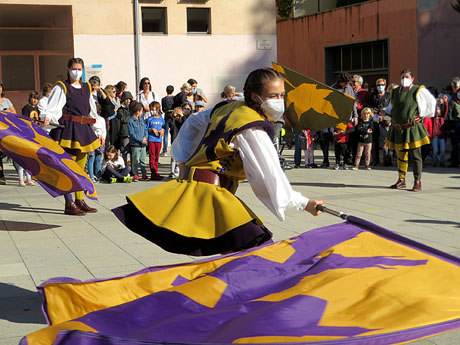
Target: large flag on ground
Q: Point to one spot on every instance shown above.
(311, 104)
(31, 147)
(349, 283)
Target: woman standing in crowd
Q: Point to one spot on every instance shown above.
(146, 96)
(229, 93)
(72, 106)
(200, 215)
(120, 88)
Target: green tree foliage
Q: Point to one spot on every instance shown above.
(284, 8)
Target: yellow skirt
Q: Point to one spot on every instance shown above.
(191, 217)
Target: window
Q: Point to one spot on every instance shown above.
(198, 21)
(154, 20)
(367, 59)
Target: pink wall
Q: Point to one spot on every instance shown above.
(301, 41)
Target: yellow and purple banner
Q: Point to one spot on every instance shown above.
(31, 147)
(349, 283)
(311, 104)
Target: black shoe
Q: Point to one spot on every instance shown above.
(297, 166)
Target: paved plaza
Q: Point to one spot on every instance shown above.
(37, 241)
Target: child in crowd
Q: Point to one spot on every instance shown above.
(113, 167)
(21, 172)
(167, 106)
(124, 117)
(175, 123)
(341, 139)
(308, 145)
(199, 106)
(364, 129)
(138, 141)
(437, 137)
(30, 110)
(384, 127)
(156, 130)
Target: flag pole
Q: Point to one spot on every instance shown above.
(330, 211)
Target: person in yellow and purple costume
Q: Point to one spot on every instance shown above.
(72, 107)
(199, 214)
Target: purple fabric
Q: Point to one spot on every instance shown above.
(170, 317)
(20, 127)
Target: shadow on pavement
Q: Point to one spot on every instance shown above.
(11, 225)
(19, 305)
(432, 221)
(20, 208)
(336, 185)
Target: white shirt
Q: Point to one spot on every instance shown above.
(118, 164)
(57, 101)
(42, 103)
(425, 101)
(260, 161)
(152, 97)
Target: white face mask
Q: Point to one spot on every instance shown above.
(406, 82)
(153, 112)
(273, 108)
(75, 74)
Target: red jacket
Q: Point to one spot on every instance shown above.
(343, 137)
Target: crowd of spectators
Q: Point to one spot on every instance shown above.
(161, 119)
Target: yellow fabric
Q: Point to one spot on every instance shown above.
(46, 336)
(65, 88)
(405, 146)
(91, 296)
(393, 302)
(403, 160)
(80, 159)
(193, 209)
(75, 145)
(390, 301)
(226, 157)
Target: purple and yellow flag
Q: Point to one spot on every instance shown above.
(311, 104)
(31, 147)
(349, 283)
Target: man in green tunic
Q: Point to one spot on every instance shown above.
(407, 134)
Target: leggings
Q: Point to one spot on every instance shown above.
(80, 159)
(21, 171)
(413, 156)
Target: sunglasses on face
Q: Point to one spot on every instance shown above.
(146, 83)
(380, 84)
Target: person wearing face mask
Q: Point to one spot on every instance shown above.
(407, 134)
(379, 101)
(71, 105)
(198, 94)
(199, 214)
(156, 130)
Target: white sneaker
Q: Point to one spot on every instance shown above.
(336, 167)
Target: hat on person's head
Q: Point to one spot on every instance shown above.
(199, 104)
(126, 95)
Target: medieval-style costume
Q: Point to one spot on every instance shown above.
(406, 135)
(75, 109)
(201, 215)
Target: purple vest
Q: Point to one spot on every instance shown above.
(77, 103)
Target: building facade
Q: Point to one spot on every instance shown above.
(213, 41)
(375, 38)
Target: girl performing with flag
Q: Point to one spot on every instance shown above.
(200, 215)
(72, 106)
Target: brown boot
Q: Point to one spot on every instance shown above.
(417, 186)
(73, 210)
(401, 183)
(81, 204)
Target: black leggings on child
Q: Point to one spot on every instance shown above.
(118, 174)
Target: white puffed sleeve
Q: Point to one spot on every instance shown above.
(190, 135)
(426, 103)
(56, 102)
(264, 174)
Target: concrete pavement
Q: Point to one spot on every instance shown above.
(37, 241)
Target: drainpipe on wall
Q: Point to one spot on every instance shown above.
(137, 64)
